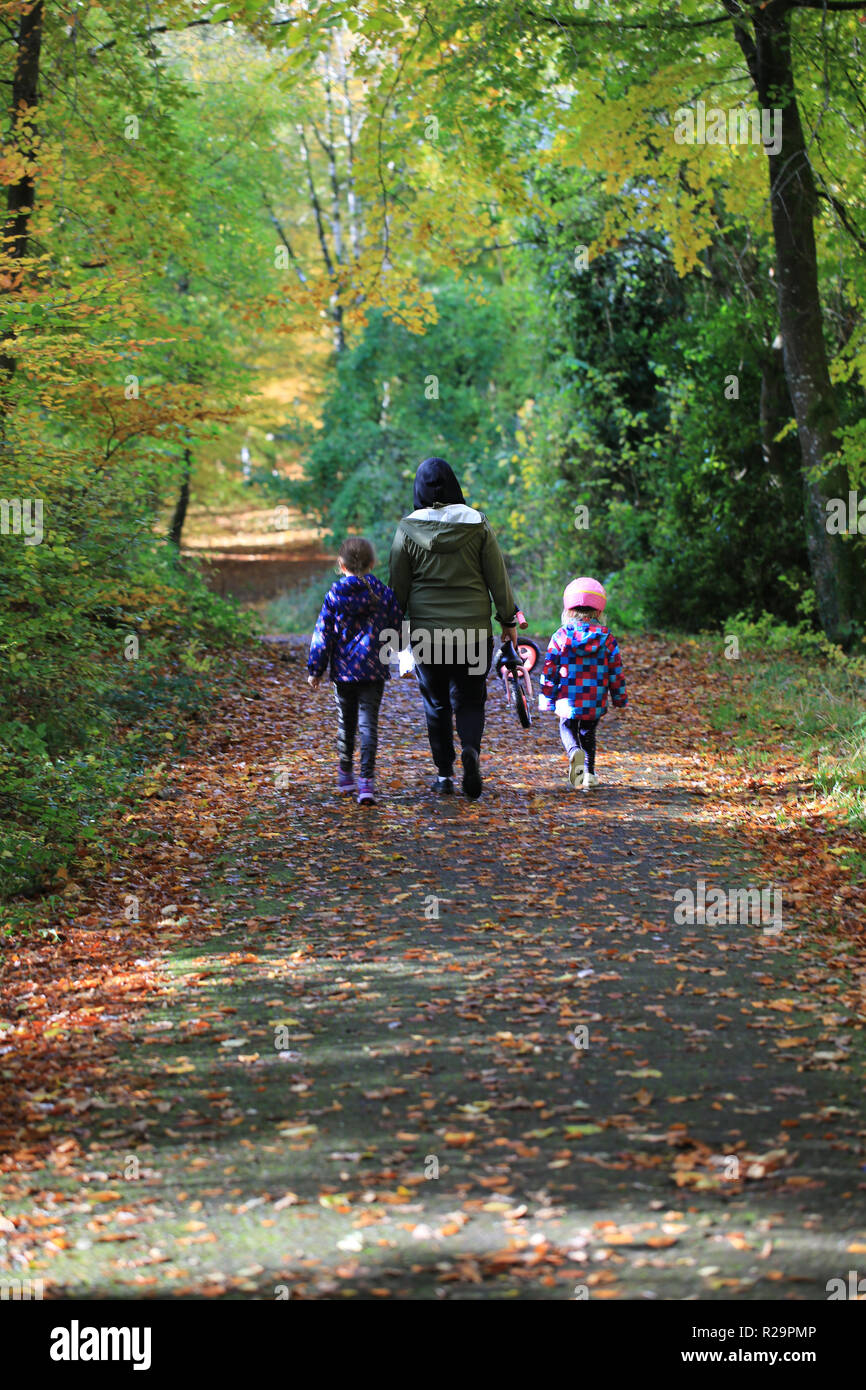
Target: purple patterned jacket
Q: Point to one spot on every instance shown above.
(346, 641)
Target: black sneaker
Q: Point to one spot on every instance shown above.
(471, 773)
(443, 786)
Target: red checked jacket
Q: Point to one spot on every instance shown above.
(582, 664)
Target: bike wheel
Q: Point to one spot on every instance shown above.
(529, 654)
(520, 701)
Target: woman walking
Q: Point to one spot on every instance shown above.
(445, 566)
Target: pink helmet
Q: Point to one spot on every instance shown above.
(584, 593)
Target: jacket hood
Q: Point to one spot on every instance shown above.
(440, 529)
(436, 484)
(588, 638)
(357, 595)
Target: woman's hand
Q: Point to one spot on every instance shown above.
(509, 634)
(314, 682)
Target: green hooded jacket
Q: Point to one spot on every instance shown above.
(445, 565)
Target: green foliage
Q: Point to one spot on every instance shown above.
(608, 418)
(397, 398)
(85, 716)
(767, 634)
(635, 464)
(122, 327)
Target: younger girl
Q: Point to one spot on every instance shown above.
(348, 643)
(581, 666)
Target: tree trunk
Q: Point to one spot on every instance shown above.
(20, 195)
(349, 133)
(176, 529)
(835, 569)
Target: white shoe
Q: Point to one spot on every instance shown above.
(589, 780)
(575, 767)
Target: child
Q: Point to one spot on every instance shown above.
(346, 641)
(581, 665)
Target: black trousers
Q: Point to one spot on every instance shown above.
(358, 710)
(447, 687)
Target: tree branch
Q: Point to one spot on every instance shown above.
(178, 29)
(283, 238)
(567, 22)
(842, 214)
(317, 207)
(743, 37)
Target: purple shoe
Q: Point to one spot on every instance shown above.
(366, 795)
(346, 781)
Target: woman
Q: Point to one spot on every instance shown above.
(445, 565)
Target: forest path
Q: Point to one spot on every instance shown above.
(256, 554)
(435, 1048)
